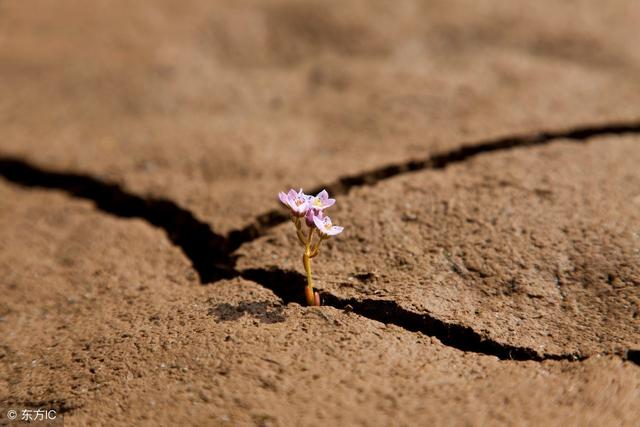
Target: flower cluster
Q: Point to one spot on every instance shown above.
(311, 208)
(308, 209)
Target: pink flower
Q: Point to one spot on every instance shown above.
(311, 208)
(321, 201)
(325, 226)
(311, 214)
(298, 202)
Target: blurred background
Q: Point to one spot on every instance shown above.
(216, 103)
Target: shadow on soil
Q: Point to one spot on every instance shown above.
(285, 284)
(212, 255)
(265, 311)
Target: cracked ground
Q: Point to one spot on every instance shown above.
(484, 158)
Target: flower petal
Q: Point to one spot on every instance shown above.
(283, 198)
(319, 222)
(309, 216)
(334, 230)
(323, 195)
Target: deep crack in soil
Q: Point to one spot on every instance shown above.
(289, 285)
(632, 356)
(212, 255)
(209, 252)
(439, 161)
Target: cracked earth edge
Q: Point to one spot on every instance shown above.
(212, 254)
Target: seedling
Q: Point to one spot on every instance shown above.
(309, 210)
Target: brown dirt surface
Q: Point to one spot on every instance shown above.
(112, 345)
(484, 157)
(172, 100)
(536, 248)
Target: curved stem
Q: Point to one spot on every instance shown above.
(309, 288)
(316, 248)
(311, 230)
(306, 261)
(296, 221)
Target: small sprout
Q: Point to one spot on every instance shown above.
(311, 208)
